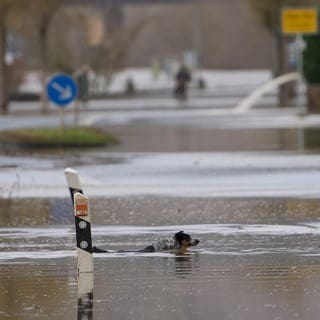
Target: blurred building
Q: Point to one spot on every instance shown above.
(226, 34)
(220, 34)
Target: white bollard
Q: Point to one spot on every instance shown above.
(82, 221)
(73, 181)
(84, 245)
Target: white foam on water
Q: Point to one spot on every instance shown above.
(35, 243)
(116, 254)
(223, 229)
(54, 232)
(121, 230)
(36, 255)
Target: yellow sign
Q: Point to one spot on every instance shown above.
(299, 20)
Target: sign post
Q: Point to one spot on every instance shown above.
(298, 21)
(62, 90)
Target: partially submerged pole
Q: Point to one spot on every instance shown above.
(83, 232)
(84, 245)
(84, 255)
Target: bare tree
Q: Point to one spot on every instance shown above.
(66, 37)
(58, 38)
(118, 42)
(5, 7)
(42, 14)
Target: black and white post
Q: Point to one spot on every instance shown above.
(84, 244)
(83, 232)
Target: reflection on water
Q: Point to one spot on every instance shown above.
(186, 264)
(188, 138)
(199, 286)
(31, 212)
(85, 307)
(35, 290)
(229, 288)
(140, 210)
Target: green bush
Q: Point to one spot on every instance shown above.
(57, 137)
(311, 59)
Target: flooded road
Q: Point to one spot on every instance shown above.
(237, 272)
(256, 258)
(248, 189)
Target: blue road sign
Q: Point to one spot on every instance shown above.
(62, 90)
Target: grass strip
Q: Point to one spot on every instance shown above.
(57, 137)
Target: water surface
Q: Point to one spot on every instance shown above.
(240, 270)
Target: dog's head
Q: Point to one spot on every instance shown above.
(185, 241)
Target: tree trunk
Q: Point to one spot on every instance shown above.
(313, 97)
(43, 33)
(280, 68)
(280, 57)
(3, 69)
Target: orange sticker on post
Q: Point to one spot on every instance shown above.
(81, 206)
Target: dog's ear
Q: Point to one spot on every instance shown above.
(179, 233)
(178, 236)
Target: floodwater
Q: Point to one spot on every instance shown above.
(257, 258)
(204, 137)
(256, 213)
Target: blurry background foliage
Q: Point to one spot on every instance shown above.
(58, 36)
(311, 59)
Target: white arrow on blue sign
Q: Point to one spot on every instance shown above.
(62, 90)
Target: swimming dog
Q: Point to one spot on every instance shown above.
(179, 244)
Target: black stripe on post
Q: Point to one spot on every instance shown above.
(73, 191)
(83, 233)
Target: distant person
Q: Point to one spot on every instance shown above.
(82, 80)
(130, 88)
(183, 77)
(201, 84)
